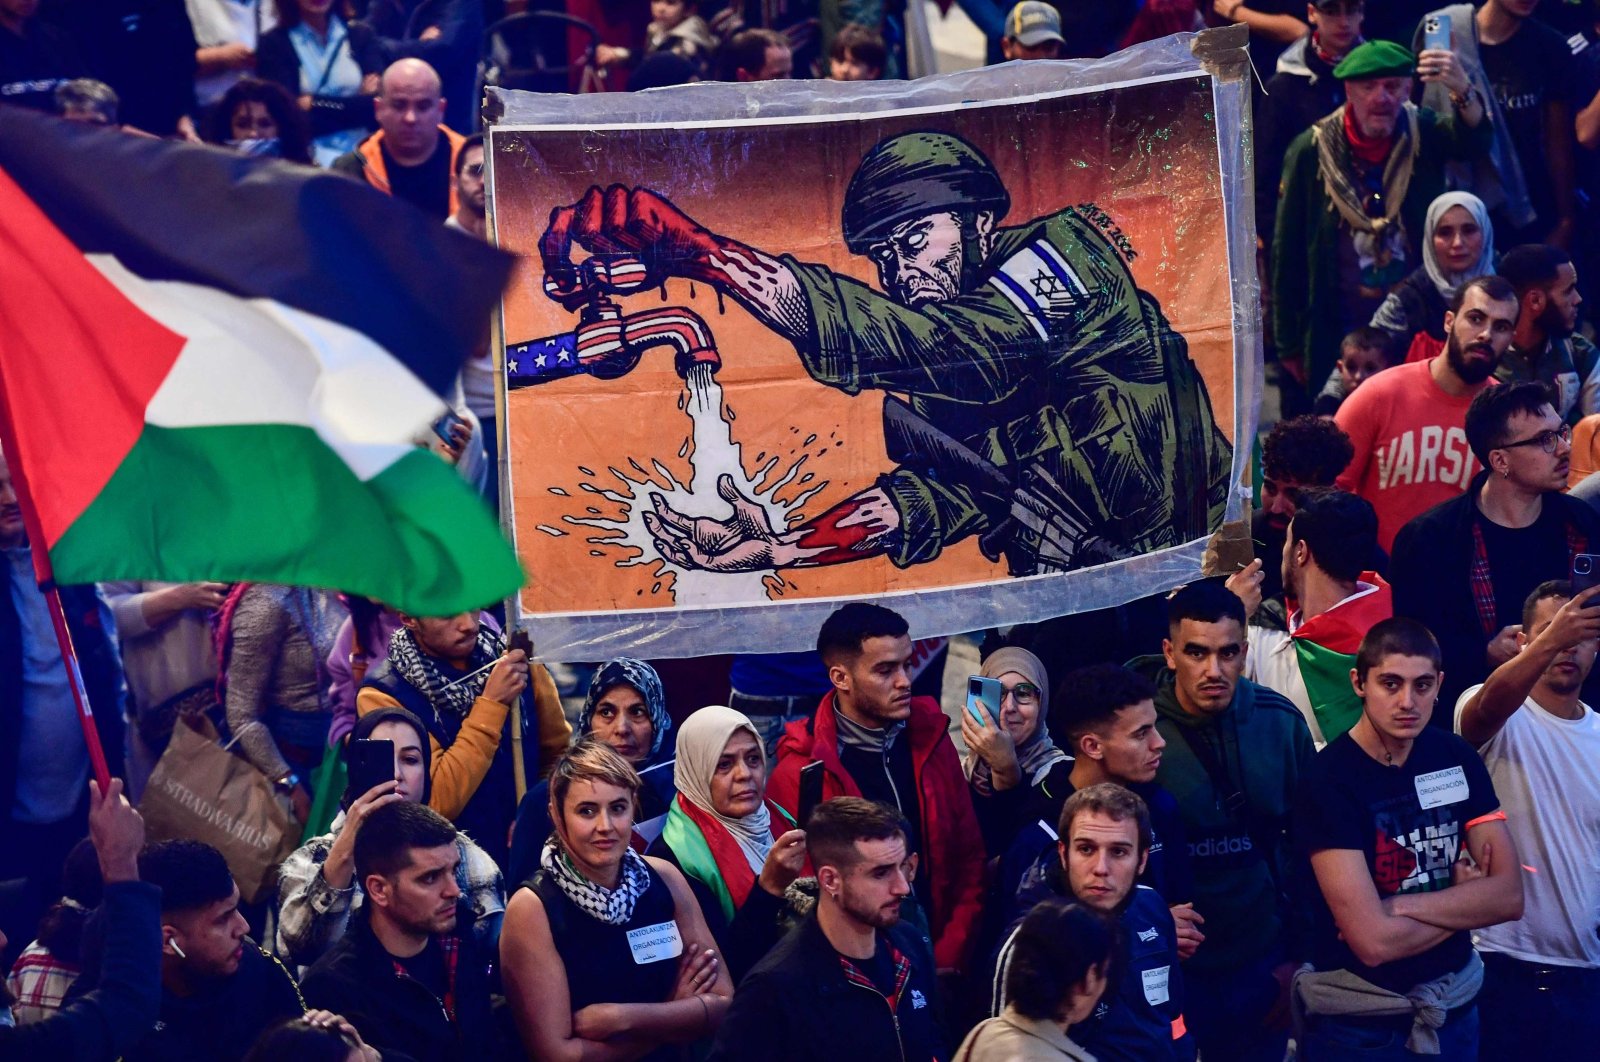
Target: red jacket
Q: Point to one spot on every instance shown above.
(952, 848)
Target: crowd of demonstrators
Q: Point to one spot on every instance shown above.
(319, 886)
(626, 709)
(1233, 818)
(1407, 425)
(493, 718)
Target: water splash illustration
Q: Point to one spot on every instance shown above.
(711, 452)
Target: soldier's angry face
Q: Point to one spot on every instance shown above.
(921, 259)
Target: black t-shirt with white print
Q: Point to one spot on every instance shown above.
(1408, 822)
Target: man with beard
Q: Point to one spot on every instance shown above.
(471, 215)
(873, 739)
(1546, 346)
(1354, 198)
(1541, 743)
(1465, 568)
(1298, 453)
(1104, 842)
(492, 717)
(1051, 412)
(408, 974)
(1407, 423)
(852, 980)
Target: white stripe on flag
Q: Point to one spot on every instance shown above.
(257, 361)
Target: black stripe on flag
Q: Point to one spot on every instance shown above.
(261, 228)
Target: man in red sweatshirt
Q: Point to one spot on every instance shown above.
(875, 740)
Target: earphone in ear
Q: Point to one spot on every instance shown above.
(177, 950)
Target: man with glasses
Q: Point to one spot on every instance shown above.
(1355, 191)
(1465, 568)
(1407, 424)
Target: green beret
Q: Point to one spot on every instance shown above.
(1376, 59)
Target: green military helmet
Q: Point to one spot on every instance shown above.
(915, 174)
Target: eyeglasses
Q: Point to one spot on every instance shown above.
(473, 169)
(1546, 440)
(1024, 694)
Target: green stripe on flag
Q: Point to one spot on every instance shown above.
(272, 503)
(1326, 673)
(694, 856)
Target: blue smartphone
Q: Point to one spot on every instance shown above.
(983, 698)
(1436, 33)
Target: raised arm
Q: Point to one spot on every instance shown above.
(1509, 685)
(1373, 932)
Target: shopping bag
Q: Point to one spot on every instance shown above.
(202, 792)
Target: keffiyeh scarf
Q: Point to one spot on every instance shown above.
(614, 907)
(1376, 238)
(424, 672)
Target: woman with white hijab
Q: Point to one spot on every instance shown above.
(738, 850)
(1457, 246)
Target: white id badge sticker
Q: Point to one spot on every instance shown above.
(654, 943)
(1438, 788)
(1155, 985)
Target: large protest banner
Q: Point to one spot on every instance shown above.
(978, 347)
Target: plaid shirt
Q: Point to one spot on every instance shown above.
(38, 983)
(1483, 581)
(902, 974)
(313, 915)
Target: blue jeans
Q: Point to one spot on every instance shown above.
(1226, 1013)
(1338, 1039)
(1532, 1011)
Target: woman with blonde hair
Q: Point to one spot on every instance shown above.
(604, 952)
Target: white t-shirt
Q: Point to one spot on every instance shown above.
(1546, 771)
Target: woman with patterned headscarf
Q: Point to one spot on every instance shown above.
(626, 708)
(1015, 771)
(738, 849)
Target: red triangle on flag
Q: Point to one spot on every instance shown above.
(79, 364)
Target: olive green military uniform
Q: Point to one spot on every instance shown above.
(1054, 360)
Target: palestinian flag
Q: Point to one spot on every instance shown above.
(708, 852)
(1325, 647)
(212, 367)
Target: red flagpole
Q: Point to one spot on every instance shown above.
(80, 695)
(13, 454)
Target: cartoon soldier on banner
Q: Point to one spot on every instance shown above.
(1050, 408)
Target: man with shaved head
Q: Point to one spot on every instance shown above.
(412, 155)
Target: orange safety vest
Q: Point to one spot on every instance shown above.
(371, 152)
